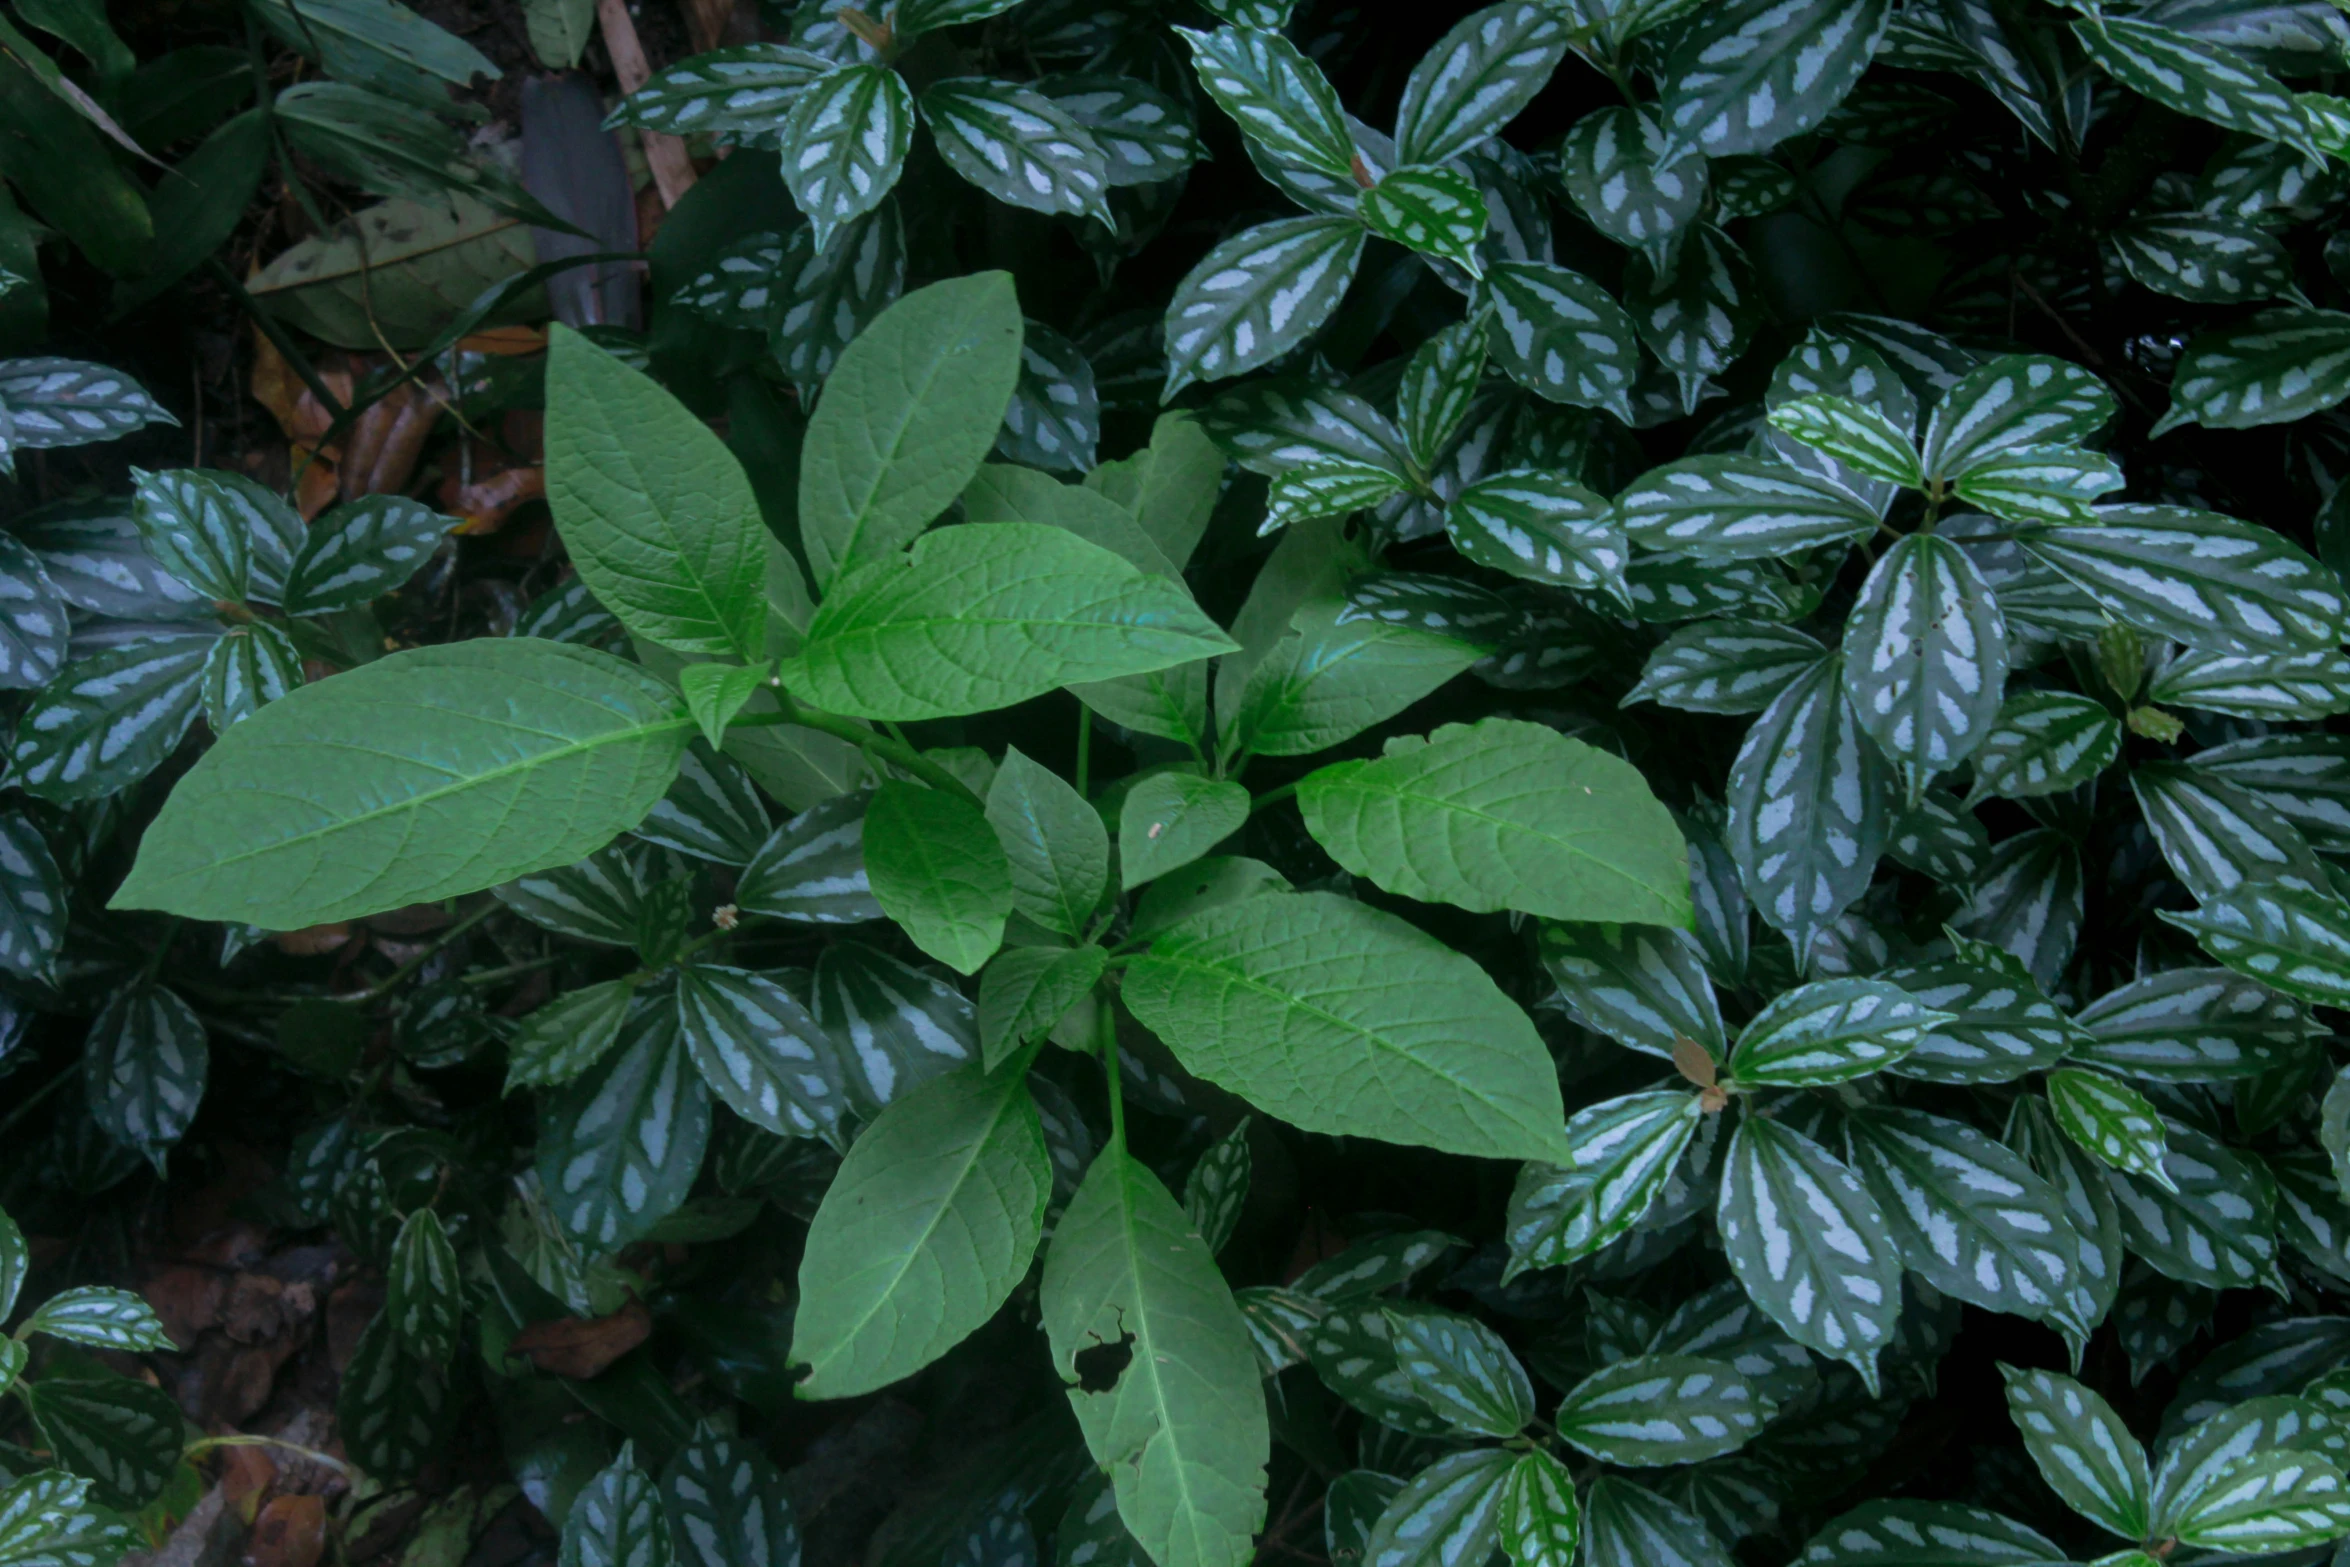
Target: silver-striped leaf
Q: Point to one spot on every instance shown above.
(2304, 777)
(1561, 336)
(2294, 939)
(1853, 433)
(33, 627)
(96, 559)
(69, 402)
(739, 94)
(2192, 1025)
(2279, 365)
(711, 811)
(619, 1146)
(46, 1520)
(2018, 400)
(1258, 295)
(1542, 526)
(1725, 666)
(825, 297)
(1145, 134)
(2001, 1023)
(2040, 483)
(2044, 742)
(1612, 164)
(2110, 1121)
(812, 868)
(1541, 1522)
(2213, 1225)
(95, 1317)
(424, 1297)
(1970, 1217)
(2203, 258)
(2029, 902)
(144, 1067)
(1431, 210)
(32, 899)
(2194, 77)
(903, 1026)
(1018, 146)
(1831, 1031)
(1653, 1410)
(1625, 1151)
(1925, 658)
(1460, 1368)
(1908, 1533)
(1479, 76)
(1448, 1515)
(1696, 312)
(1737, 508)
(760, 1051)
(245, 670)
(1287, 112)
(1809, 1244)
(2276, 687)
(1745, 75)
(617, 1520)
(2082, 1450)
(2217, 837)
(603, 898)
(360, 551)
(727, 1506)
(2079, 1181)
(1625, 1525)
(1644, 986)
(1352, 1349)
(844, 145)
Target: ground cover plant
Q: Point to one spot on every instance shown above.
(1001, 779)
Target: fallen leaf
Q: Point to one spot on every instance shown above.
(581, 1347)
(312, 940)
(187, 1300)
(289, 1532)
(486, 503)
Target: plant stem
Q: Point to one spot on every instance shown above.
(1271, 798)
(488, 907)
(1109, 1031)
(286, 346)
(1084, 749)
(889, 748)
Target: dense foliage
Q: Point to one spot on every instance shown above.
(1550, 780)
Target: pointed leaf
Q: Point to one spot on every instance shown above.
(2019, 400)
(2192, 1025)
(1809, 805)
(1968, 1216)
(2083, 1450)
(759, 1050)
(1925, 657)
(844, 144)
(1831, 1031)
(2044, 742)
(1747, 75)
(1258, 295)
(1652, 1410)
(1809, 1244)
(2279, 365)
(1170, 819)
(1017, 145)
(1558, 334)
(619, 1146)
(1625, 1151)
(1739, 508)
(1853, 433)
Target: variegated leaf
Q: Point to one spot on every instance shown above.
(1258, 295)
(1283, 104)
(1854, 433)
(2109, 1120)
(2217, 837)
(1461, 1369)
(1477, 78)
(1697, 312)
(1652, 1410)
(1969, 1217)
(1145, 134)
(2271, 686)
(66, 402)
(2213, 1225)
(2204, 259)
(2279, 365)
(739, 94)
(2044, 742)
(360, 551)
(1831, 1031)
(1925, 659)
(96, 1318)
(1725, 666)
(903, 1026)
(2296, 940)
(1810, 806)
(812, 868)
(1439, 390)
(844, 145)
(144, 1068)
(425, 1296)
(1644, 986)
(1809, 1244)
(1728, 507)
(1055, 417)
(2029, 902)
(32, 901)
(1560, 335)
(33, 626)
(1352, 1349)
(1746, 75)
(2001, 1024)
(1627, 1526)
(2040, 483)
(760, 1051)
(2019, 400)
(250, 667)
(617, 1520)
(2080, 1182)
(1907, 1533)
(1335, 489)
(711, 812)
(2192, 1025)
(1449, 1515)
(620, 1146)
(727, 1506)
(824, 298)
(208, 528)
(1942, 838)
(2200, 578)
(1625, 1152)
(47, 1520)
(2194, 77)
(1541, 1522)
(1431, 210)
(2266, 1502)
(2304, 777)
(1018, 146)
(1612, 164)
(1541, 526)
(2082, 1449)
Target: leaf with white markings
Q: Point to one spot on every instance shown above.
(2294, 939)
(1644, 986)
(1145, 135)
(2044, 742)
(1541, 526)
(1925, 658)
(620, 1145)
(144, 1068)
(844, 144)
(1460, 1369)
(2001, 1024)
(2083, 1450)
(934, 1216)
(1284, 106)
(1653, 1410)
(109, 720)
(98, 1318)
(812, 868)
(760, 1051)
(1258, 295)
(1627, 1526)
(1739, 508)
(727, 1506)
(2206, 580)
(33, 627)
(1055, 417)
(2204, 259)
(361, 551)
(1018, 146)
(1809, 1244)
(1831, 1031)
(32, 901)
(2214, 1224)
(2192, 1025)
(2110, 1120)
(1624, 1153)
(244, 670)
(2019, 400)
(69, 402)
(2279, 365)
(1541, 1522)
(2195, 77)
(1217, 1189)
(2304, 777)
(2040, 483)
(2029, 901)
(1431, 210)
(2271, 686)
(1747, 75)
(46, 1521)
(2217, 837)
(1725, 666)
(1853, 433)
(904, 1026)
(1447, 1515)
(738, 94)
(1907, 1533)
(425, 1298)
(617, 1520)
(1474, 82)
(1560, 335)
(122, 1434)
(1697, 312)
(1613, 166)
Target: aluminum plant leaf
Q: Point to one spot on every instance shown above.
(727, 1506)
(244, 670)
(2002, 1024)
(2029, 901)
(122, 1434)
(1019, 146)
(619, 1146)
(2213, 1225)
(1560, 335)
(144, 1068)
(32, 899)
(2192, 1025)
(1696, 312)
(2216, 837)
(1654, 1410)
(1487, 68)
(844, 144)
(934, 1217)
(46, 1520)
(1613, 166)
(2111, 1121)
(903, 1026)
(711, 811)
(2200, 578)
(360, 551)
(1625, 1151)
(461, 736)
(1284, 106)
(2294, 939)
(67, 402)
(1643, 986)
(1725, 666)
(1182, 1431)
(2279, 365)
(1447, 1515)
(1906, 1533)
(1431, 210)
(617, 1520)
(1968, 1216)
(2021, 400)
(2303, 776)
(205, 528)
(822, 299)
(1625, 1525)
(1831, 1031)
(2082, 1450)
(1145, 134)
(1745, 76)
(1541, 1523)
(1337, 1017)
(2040, 483)
(1504, 814)
(33, 625)
(1854, 433)
(1463, 1371)
(760, 1050)
(1739, 508)
(425, 1299)
(2044, 742)
(2194, 77)
(2271, 686)
(737, 94)
(1809, 1244)
(1258, 295)
(2203, 258)
(1055, 417)
(1810, 806)
(1925, 658)
(812, 868)
(1536, 524)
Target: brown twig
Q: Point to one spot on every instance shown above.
(673, 171)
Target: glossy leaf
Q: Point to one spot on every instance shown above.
(1809, 1244)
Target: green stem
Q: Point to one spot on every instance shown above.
(1109, 1031)
(488, 907)
(1271, 798)
(1084, 749)
(893, 750)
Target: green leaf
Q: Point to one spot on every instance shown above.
(1439, 390)
(1477, 79)
(2044, 742)
(46, 1521)
(1170, 819)
(617, 1520)
(2204, 259)
(109, 720)
(1625, 1151)
(1054, 419)
(393, 148)
(1745, 76)
(1217, 1189)
(1613, 166)
(2281, 364)
(425, 1298)
(759, 1050)
(938, 869)
(727, 1505)
(715, 693)
(985, 615)
(1653, 1410)
(1027, 990)
(1019, 146)
(1182, 1430)
(2018, 400)
(1170, 486)
(1925, 658)
(121, 1435)
(2272, 686)
(933, 1218)
(2040, 483)
(907, 416)
(2082, 1449)
(620, 1145)
(1739, 508)
(1339, 1018)
(1725, 666)
(1559, 334)
(1431, 210)
(1054, 840)
(1460, 1369)
(1353, 1352)
(908, 1026)
(2294, 939)
(16, 1260)
(2265, 1502)
(1330, 679)
(2206, 580)
(1809, 1244)
(569, 1034)
(1905, 1533)
(2194, 77)
(1642, 986)
(1853, 433)
(2110, 1120)
(144, 1068)
(1258, 295)
(1284, 106)
(1626, 1526)
(844, 145)
(1831, 1031)
(380, 44)
(505, 755)
(1447, 1515)
(2001, 1024)
(2213, 1223)
(1541, 1523)
(99, 1318)
(1145, 134)
(1543, 527)
(1967, 1215)
(1810, 806)
(2192, 1025)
